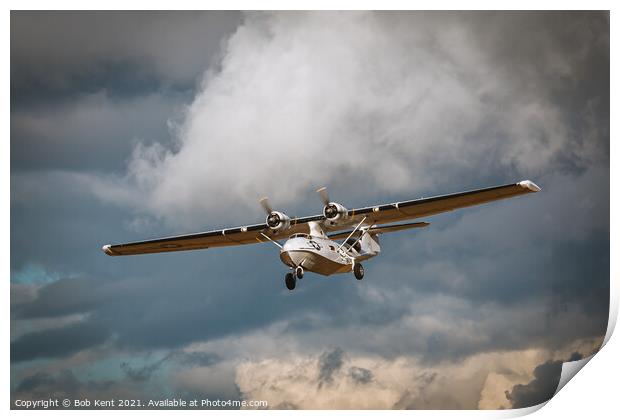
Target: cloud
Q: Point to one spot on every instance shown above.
(185, 359)
(212, 381)
(360, 375)
(294, 379)
(403, 382)
(359, 98)
(542, 387)
(197, 358)
(66, 384)
(92, 132)
(142, 373)
(64, 297)
(33, 274)
(128, 52)
(58, 342)
(97, 374)
(329, 364)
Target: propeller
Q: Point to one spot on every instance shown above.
(264, 202)
(324, 195)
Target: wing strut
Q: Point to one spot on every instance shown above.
(365, 230)
(351, 234)
(271, 240)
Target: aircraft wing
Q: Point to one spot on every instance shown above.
(424, 207)
(244, 235)
(375, 215)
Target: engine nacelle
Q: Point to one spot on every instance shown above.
(278, 221)
(335, 213)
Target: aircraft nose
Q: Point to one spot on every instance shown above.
(288, 245)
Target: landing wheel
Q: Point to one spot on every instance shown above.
(299, 272)
(358, 271)
(290, 281)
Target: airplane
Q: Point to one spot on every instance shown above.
(312, 241)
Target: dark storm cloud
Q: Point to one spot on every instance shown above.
(142, 373)
(91, 133)
(81, 102)
(58, 342)
(360, 375)
(562, 56)
(60, 53)
(571, 50)
(39, 379)
(187, 359)
(197, 358)
(159, 313)
(542, 387)
(57, 226)
(330, 362)
(68, 383)
(64, 383)
(63, 297)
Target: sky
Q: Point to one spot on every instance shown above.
(133, 125)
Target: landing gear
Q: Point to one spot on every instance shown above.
(291, 278)
(358, 271)
(290, 281)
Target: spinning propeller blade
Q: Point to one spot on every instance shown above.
(324, 195)
(264, 202)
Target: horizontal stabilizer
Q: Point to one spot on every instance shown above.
(383, 229)
(396, 228)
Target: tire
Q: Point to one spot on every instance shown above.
(358, 271)
(299, 272)
(290, 281)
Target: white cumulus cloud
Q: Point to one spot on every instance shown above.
(390, 102)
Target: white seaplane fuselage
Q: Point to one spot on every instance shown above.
(321, 255)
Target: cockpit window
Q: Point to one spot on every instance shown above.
(301, 235)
